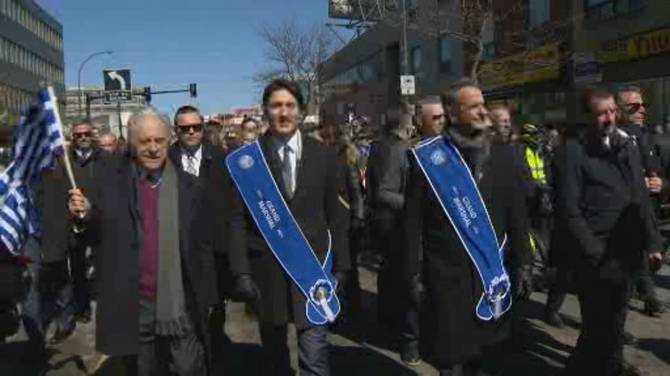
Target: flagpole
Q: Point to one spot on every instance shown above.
(66, 154)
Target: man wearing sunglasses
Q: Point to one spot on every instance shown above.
(432, 117)
(603, 202)
(633, 117)
(201, 165)
(65, 292)
(188, 151)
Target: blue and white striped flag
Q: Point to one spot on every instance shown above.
(38, 141)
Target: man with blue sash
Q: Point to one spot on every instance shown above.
(465, 207)
(290, 248)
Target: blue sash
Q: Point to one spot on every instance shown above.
(456, 190)
(281, 232)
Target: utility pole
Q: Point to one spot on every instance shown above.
(118, 113)
(405, 119)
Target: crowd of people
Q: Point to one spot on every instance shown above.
(459, 209)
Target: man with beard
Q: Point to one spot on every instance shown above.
(605, 204)
(465, 207)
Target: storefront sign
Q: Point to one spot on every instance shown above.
(635, 47)
(540, 64)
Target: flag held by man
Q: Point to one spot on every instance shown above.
(38, 141)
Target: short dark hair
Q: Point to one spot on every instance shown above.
(282, 84)
(450, 96)
(595, 92)
(187, 109)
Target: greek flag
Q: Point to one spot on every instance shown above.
(38, 141)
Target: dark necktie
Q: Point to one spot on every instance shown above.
(287, 171)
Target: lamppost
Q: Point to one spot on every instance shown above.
(81, 67)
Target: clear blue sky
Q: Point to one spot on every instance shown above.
(169, 43)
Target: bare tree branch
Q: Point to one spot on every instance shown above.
(296, 53)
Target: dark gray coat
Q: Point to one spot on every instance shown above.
(115, 229)
(453, 287)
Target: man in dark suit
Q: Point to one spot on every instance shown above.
(605, 204)
(202, 163)
(654, 153)
(65, 294)
(155, 285)
(388, 170)
(309, 178)
(453, 288)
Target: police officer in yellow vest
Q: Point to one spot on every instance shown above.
(538, 161)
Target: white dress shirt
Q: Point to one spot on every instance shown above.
(196, 158)
(295, 143)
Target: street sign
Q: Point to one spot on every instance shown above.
(407, 85)
(118, 96)
(117, 79)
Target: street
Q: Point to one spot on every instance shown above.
(365, 350)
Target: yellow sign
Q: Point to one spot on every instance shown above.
(539, 64)
(636, 47)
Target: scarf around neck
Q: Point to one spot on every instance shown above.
(475, 152)
(171, 316)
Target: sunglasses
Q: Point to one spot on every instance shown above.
(82, 134)
(187, 128)
(632, 108)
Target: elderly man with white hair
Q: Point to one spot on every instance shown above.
(155, 286)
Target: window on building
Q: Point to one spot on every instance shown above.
(445, 55)
(489, 50)
(415, 63)
(538, 12)
(602, 9)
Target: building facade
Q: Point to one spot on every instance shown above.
(538, 56)
(363, 78)
(31, 54)
(629, 42)
(106, 116)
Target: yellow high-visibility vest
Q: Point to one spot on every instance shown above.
(536, 165)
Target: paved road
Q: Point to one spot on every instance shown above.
(365, 349)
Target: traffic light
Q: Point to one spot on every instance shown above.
(193, 89)
(147, 94)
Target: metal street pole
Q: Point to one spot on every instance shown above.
(118, 113)
(81, 67)
(404, 118)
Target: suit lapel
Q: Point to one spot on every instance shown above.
(302, 163)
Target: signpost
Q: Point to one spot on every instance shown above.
(118, 79)
(407, 85)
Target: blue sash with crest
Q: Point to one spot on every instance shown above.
(281, 232)
(456, 190)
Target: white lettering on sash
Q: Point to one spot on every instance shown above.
(468, 206)
(463, 213)
(263, 205)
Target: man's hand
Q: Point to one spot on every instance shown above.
(655, 261)
(654, 183)
(78, 204)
